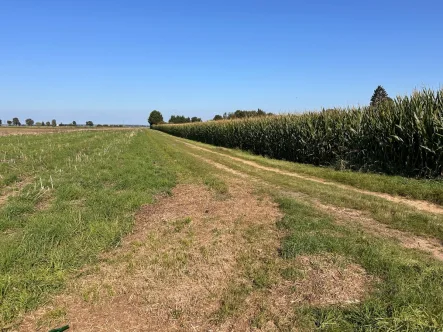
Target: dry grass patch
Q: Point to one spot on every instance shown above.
(13, 190)
(326, 280)
(315, 281)
(170, 273)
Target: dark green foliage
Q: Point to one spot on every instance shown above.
(380, 95)
(179, 119)
(239, 114)
(53, 123)
(195, 119)
(155, 118)
(29, 122)
(89, 123)
(16, 122)
(218, 117)
(401, 137)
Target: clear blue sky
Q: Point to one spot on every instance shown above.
(115, 61)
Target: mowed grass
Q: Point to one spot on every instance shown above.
(407, 296)
(423, 189)
(80, 194)
(399, 216)
(407, 292)
(80, 191)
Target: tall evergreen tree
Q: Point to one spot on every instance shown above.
(379, 96)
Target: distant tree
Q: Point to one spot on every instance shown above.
(16, 122)
(48, 123)
(195, 119)
(89, 123)
(155, 118)
(9, 122)
(43, 123)
(29, 122)
(218, 117)
(1, 122)
(379, 95)
(53, 123)
(179, 119)
(38, 124)
(74, 123)
(240, 114)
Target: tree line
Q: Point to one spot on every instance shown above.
(30, 122)
(157, 118)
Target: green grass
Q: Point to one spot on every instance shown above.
(424, 189)
(82, 189)
(409, 295)
(99, 180)
(89, 184)
(408, 287)
(402, 217)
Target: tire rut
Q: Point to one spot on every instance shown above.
(417, 204)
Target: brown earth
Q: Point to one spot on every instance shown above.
(9, 131)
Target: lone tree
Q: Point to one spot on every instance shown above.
(29, 122)
(74, 123)
(380, 95)
(53, 123)
(9, 122)
(155, 118)
(48, 123)
(218, 117)
(89, 123)
(16, 122)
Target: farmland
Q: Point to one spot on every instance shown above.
(137, 229)
(403, 137)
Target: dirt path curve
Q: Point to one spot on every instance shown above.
(418, 204)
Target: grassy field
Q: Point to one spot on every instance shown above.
(138, 230)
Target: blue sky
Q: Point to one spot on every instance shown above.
(115, 61)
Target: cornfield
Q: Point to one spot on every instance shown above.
(403, 137)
